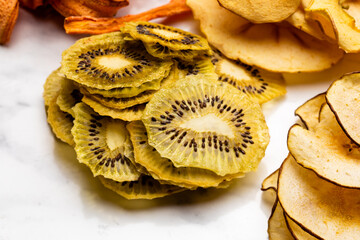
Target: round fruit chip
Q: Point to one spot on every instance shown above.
(144, 188)
(261, 11)
(297, 231)
(277, 228)
(163, 169)
(327, 151)
(330, 12)
(325, 210)
(277, 48)
(343, 99)
(108, 61)
(103, 144)
(206, 124)
(310, 110)
(52, 87)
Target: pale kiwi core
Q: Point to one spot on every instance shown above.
(114, 62)
(233, 70)
(115, 137)
(168, 34)
(209, 123)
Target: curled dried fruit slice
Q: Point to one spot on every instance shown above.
(60, 123)
(260, 11)
(127, 114)
(144, 188)
(260, 85)
(277, 228)
(260, 44)
(52, 86)
(69, 95)
(327, 151)
(326, 210)
(9, 10)
(103, 144)
(330, 12)
(270, 182)
(343, 99)
(89, 25)
(107, 61)
(297, 231)
(310, 110)
(206, 124)
(163, 169)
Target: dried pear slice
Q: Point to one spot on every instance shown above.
(103, 144)
(297, 231)
(272, 47)
(332, 12)
(343, 99)
(60, 123)
(167, 42)
(68, 97)
(270, 182)
(325, 210)
(277, 228)
(260, 85)
(163, 169)
(327, 151)
(260, 11)
(206, 124)
(52, 87)
(144, 188)
(310, 110)
(127, 114)
(108, 61)
(128, 92)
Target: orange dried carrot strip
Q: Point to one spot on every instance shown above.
(90, 25)
(9, 10)
(32, 4)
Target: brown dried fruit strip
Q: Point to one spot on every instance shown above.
(103, 8)
(9, 10)
(32, 4)
(90, 25)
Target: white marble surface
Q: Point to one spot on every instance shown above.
(46, 194)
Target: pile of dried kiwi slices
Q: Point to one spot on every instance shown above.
(149, 111)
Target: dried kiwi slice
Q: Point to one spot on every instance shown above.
(127, 114)
(260, 85)
(68, 97)
(108, 61)
(207, 124)
(167, 42)
(60, 123)
(52, 87)
(200, 65)
(162, 168)
(103, 144)
(144, 188)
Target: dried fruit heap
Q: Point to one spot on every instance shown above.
(150, 112)
(318, 184)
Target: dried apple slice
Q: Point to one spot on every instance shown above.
(327, 151)
(9, 10)
(297, 231)
(270, 182)
(260, 11)
(343, 99)
(277, 228)
(89, 25)
(344, 26)
(326, 210)
(309, 111)
(272, 47)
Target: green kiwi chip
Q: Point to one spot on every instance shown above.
(68, 96)
(200, 65)
(163, 169)
(127, 114)
(260, 85)
(103, 144)
(52, 87)
(145, 187)
(207, 124)
(61, 123)
(108, 61)
(167, 42)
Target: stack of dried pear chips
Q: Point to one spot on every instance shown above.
(153, 110)
(318, 184)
